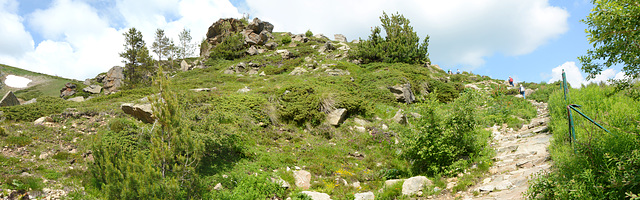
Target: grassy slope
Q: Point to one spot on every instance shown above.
(329, 153)
(48, 85)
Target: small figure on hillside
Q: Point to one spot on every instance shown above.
(522, 91)
(510, 81)
(449, 72)
(458, 72)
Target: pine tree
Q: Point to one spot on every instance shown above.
(138, 62)
(185, 48)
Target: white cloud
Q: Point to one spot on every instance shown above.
(576, 79)
(14, 39)
(462, 32)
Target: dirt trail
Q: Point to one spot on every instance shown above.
(519, 154)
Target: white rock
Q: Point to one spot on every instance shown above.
(364, 196)
(413, 185)
(317, 195)
(302, 178)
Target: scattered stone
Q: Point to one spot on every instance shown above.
(337, 116)
(271, 45)
(472, 86)
(280, 181)
(9, 99)
(218, 187)
(340, 38)
(113, 80)
(203, 89)
(253, 51)
(93, 89)
(355, 184)
(337, 72)
(412, 185)
(317, 195)
(361, 122)
(302, 178)
(262, 74)
(34, 100)
(142, 112)
(42, 120)
(328, 46)
(403, 93)
(300, 38)
(284, 53)
(69, 89)
(244, 90)
(76, 99)
(298, 71)
(364, 196)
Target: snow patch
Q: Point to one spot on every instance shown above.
(16, 81)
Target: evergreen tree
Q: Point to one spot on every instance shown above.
(138, 62)
(161, 45)
(401, 44)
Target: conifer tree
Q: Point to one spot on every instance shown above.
(161, 45)
(138, 62)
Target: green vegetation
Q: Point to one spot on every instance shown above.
(613, 28)
(43, 107)
(231, 47)
(138, 64)
(598, 165)
(401, 44)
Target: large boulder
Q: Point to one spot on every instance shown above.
(9, 99)
(76, 99)
(412, 185)
(113, 80)
(69, 89)
(303, 179)
(143, 112)
(93, 89)
(184, 66)
(403, 93)
(340, 38)
(336, 116)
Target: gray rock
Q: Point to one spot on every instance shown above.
(262, 74)
(271, 45)
(244, 90)
(184, 66)
(281, 182)
(284, 53)
(300, 38)
(400, 117)
(337, 72)
(253, 51)
(9, 99)
(472, 86)
(113, 80)
(340, 38)
(93, 89)
(142, 112)
(42, 120)
(328, 46)
(320, 36)
(218, 187)
(69, 89)
(364, 196)
(302, 178)
(403, 93)
(87, 82)
(317, 195)
(298, 71)
(76, 99)
(412, 185)
(203, 89)
(337, 116)
(361, 122)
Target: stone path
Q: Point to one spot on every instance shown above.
(519, 154)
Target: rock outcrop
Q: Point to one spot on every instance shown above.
(113, 80)
(303, 179)
(69, 89)
(336, 116)
(143, 112)
(256, 33)
(340, 38)
(403, 93)
(93, 89)
(413, 185)
(9, 99)
(317, 195)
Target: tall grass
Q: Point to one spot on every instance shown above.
(597, 165)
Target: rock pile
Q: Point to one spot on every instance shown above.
(250, 68)
(256, 35)
(113, 80)
(9, 99)
(69, 89)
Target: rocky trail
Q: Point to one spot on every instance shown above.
(519, 154)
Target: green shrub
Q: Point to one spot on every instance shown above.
(19, 141)
(545, 90)
(301, 104)
(308, 33)
(401, 43)
(253, 187)
(445, 92)
(61, 155)
(27, 183)
(43, 107)
(391, 193)
(444, 134)
(286, 40)
(232, 47)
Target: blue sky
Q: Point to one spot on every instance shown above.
(531, 40)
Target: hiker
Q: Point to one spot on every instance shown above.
(449, 72)
(522, 91)
(458, 71)
(510, 81)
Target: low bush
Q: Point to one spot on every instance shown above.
(43, 107)
(301, 104)
(231, 47)
(252, 187)
(308, 33)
